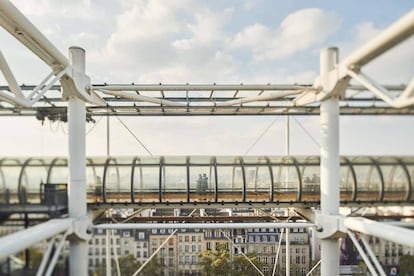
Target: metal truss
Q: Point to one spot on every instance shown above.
(203, 100)
(329, 94)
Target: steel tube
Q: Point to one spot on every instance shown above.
(362, 253)
(329, 163)
(372, 256)
(393, 35)
(269, 225)
(18, 241)
(78, 264)
(202, 87)
(382, 230)
(23, 30)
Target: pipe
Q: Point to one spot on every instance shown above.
(23, 30)
(393, 35)
(203, 225)
(18, 241)
(381, 230)
(203, 87)
(330, 195)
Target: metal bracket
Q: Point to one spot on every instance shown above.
(328, 226)
(82, 228)
(75, 83)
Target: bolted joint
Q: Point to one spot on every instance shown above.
(328, 227)
(82, 228)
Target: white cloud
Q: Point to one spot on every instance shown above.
(299, 31)
(207, 29)
(80, 9)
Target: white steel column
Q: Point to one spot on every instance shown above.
(329, 162)
(78, 261)
(287, 152)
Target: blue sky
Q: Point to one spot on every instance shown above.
(204, 42)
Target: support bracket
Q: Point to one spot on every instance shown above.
(82, 228)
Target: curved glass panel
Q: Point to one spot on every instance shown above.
(32, 178)
(230, 179)
(310, 171)
(94, 178)
(258, 180)
(286, 179)
(347, 182)
(58, 171)
(409, 163)
(146, 180)
(174, 182)
(118, 180)
(395, 178)
(368, 179)
(202, 178)
(9, 178)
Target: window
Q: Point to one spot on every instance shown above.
(180, 239)
(186, 248)
(138, 254)
(193, 238)
(141, 235)
(265, 260)
(297, 250)
(193, 248)
(187, 259)
(186, 238)
(208, 245)
(145, 254)
(303, 259)
(194, 259)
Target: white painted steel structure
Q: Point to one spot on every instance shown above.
(328, 87)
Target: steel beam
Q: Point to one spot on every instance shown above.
(382, 230)
(390, 37)
(18, 241)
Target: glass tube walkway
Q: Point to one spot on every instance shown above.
(204, 179)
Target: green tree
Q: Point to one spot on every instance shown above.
(154, 267)
(406, 265)
(216, 262)
(128, 264)
(242, 267)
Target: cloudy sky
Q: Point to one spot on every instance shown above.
(251, 41)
